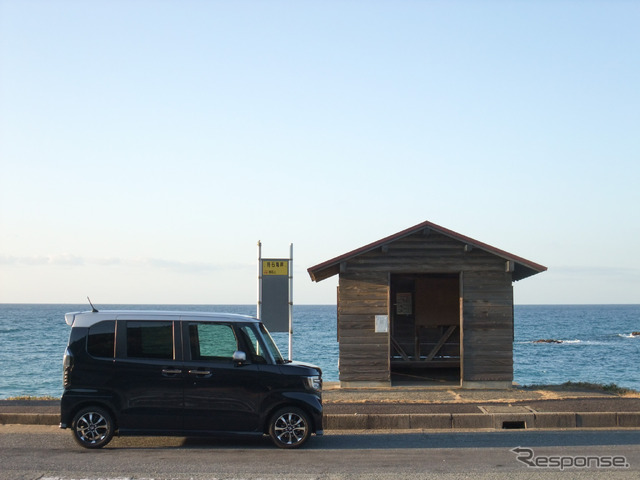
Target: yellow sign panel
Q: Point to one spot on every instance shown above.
(275, 267)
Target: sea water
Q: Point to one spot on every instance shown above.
(596, 343)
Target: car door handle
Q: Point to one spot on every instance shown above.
(200, 373)
(171, 371)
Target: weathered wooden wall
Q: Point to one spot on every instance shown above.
(487, 333)
(487, 325)
(437, 301)
(364, 354)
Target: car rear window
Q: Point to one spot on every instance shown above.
(101, 339)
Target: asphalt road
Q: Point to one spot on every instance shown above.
(44, 452)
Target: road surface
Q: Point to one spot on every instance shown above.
(44, 452)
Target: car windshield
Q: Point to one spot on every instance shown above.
(271, 345)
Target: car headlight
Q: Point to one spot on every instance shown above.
(314, 383)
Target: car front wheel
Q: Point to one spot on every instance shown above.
(93, 427)
(289, 427)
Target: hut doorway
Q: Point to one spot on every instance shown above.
(425, 329)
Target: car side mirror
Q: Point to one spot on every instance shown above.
(239, 357)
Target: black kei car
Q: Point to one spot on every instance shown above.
(185, 374)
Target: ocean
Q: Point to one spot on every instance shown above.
(597, 343)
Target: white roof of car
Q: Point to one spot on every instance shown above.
(88, 318)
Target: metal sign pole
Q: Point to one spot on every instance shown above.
(259, 307)
(291, 301)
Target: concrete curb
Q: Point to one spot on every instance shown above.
(472, 421)
(436, 421)
(29, 419)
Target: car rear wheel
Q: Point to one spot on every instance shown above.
(289, 427)
(93, 427)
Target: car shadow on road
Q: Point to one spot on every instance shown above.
(435, 440)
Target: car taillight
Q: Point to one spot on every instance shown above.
(67, 365)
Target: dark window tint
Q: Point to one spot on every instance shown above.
(150, 340)
(212, 341)
(101, 339)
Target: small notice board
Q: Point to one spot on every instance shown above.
(275, 293)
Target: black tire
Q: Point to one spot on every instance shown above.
(92, 427)
(289, 427)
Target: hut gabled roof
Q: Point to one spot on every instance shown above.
(522, 268)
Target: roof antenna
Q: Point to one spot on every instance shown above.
(93, 309)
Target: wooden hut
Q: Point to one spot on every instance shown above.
(426, 303)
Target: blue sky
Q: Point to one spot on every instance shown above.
(146, 146)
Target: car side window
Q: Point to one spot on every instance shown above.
(212, 341)
(150, 340)
(101, 339)
(255, 352)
